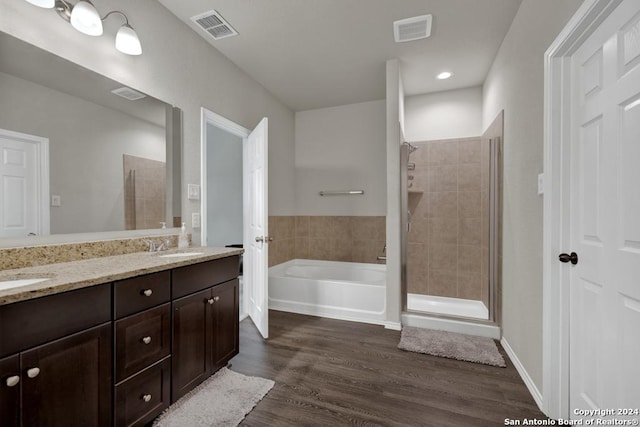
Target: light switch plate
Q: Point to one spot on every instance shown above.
(195, 219)
(540, 184)
(56, 200)
(193, 192)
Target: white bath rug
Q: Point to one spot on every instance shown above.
(468, 348)
(222, 400)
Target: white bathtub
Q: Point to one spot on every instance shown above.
(338, 290)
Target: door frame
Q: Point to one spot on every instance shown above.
(209, 117)
(556, 221)
(43, 186)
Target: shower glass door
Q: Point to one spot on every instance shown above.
(449, 205)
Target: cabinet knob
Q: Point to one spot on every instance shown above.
(211, 301)
(147, 292)
(146, 340)
(216, 298)
(146, 397)
(33, 372)
(12, 381)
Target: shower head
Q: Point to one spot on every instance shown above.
(412, 148)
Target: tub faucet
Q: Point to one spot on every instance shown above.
(383, 257)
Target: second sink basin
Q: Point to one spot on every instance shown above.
(181, 255)
(9, 284)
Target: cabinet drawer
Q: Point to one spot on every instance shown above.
(30, 323)
(193, 278)
(142, 292)
(141, 340)
(143, 397)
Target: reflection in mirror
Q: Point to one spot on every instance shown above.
(80, 152)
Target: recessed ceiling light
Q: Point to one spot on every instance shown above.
(444, 75)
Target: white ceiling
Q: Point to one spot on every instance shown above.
(322, 53)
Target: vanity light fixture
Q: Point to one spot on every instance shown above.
(84, 17)
(444, 75)
(47, 4)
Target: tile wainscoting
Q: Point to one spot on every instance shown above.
(329, 238)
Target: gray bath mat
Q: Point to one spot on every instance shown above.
(222, 400)
(451, 345)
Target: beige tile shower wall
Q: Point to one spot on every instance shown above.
(329, 238)
(447, 233)
(144, 190)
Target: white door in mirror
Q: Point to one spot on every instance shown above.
(24, 207)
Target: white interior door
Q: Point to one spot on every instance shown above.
(24, 189)
(605, 216)
(256, 246)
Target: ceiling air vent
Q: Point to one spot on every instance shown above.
(416, 28)
(214, 24)
(128, 93)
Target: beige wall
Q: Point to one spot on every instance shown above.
(178, 67)
(515, 84)
(444, 115)
(341, 148)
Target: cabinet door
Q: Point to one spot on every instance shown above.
(191, 340)
(68, 382)
(226, 318)
(10, 391)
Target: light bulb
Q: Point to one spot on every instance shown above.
(127, 41)
(85, 18)
(47, 4)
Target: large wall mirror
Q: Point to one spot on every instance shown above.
(81, 153)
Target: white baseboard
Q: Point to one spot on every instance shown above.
(396, 326)
(535, 393)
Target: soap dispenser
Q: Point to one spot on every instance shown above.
(183, 238)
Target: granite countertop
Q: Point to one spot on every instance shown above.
(67, 276)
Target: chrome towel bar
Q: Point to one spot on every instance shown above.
(342, 193)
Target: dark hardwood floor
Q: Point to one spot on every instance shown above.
(331, 372)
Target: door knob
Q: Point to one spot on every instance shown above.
(573, 258)
(259, 239)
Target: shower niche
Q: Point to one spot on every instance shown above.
(450, 197)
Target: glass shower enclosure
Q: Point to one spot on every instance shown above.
(449, 195)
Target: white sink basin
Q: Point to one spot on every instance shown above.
(9, 284)
(181, 255)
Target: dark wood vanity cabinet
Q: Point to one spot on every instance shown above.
(117, 354)
(62, 357)
(68, 382)
(205, 322)
(142, 339)
(10, 391)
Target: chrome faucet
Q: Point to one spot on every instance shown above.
(383, 257)
(153, 246)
